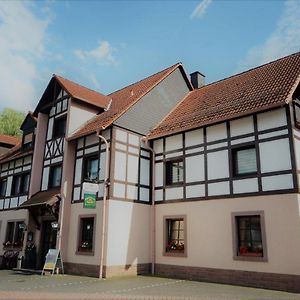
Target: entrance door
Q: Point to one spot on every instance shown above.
(48, 239)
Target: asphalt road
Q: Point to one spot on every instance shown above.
(63, 287)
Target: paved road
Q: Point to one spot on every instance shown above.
(65, 287)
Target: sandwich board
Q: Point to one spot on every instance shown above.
(53, 261)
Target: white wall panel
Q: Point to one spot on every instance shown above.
(174, 142)
(144, 194)
(217, 164)
(133, 169)
(159, 173)
(170, 155)
(158, 146)
(158, 195)
(6, 203)
(50, 129)
(120, 166)
(245, 186)
(216, 132)
(244, 140)
(119, 190)
(216, 146)
(194, 168)
(274, 133)
(76, 193)
(145, 172)
(194, 137)
(278, 182)
(91, 139)
(22, 199)
(13, 202)
(275, 155)
(133, 139)
(132, 192)
(78, 169)
(174, 193)
(121, 136)
(91, 150)
(271, 119)
(190, 151)
(45, 179)
(1, 203)
(219, 188)
(193, 191)
(241, 126)
(121, 146)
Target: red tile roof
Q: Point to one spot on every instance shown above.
(82, 93)
(8, 139)
(14, 153)
(263, 87)
(122, 100)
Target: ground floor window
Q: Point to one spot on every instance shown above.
(175, 235)
(86, 234)
(249, 236)
(14, 234)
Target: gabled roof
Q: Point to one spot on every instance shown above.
(122, 100)
(9, 140)
(264, 87)
(29, 121)
(75, 90)
(14, 153)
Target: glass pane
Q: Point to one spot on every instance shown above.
(91, 168)
(87, 233)
(25, 183)
(246, 161)
(56, 176)
(3, 184)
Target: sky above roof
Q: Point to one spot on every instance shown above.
(105, 45)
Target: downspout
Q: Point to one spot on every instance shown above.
(104, 225)
(152, 224)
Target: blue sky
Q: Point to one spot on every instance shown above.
(106, 45)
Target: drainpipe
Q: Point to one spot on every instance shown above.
(152, 225)
(104, 225)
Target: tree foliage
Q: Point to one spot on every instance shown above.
(10, 122)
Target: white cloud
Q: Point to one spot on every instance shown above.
(284, 40)
(103, 53)
(200, 9)
(22, 40)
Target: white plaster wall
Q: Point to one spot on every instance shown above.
(194, 168)
(217, 164)
(275, 155)
(271, 119)
(78, 115)
(194, 137)
(245, 186)
(174, 193)
(209, 233)
(128, 236)
(278, 182)
(241, 126)
(216, 132)
(174, 142)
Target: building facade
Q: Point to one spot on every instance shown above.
(201, 181)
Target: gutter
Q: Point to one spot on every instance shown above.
(153, 215)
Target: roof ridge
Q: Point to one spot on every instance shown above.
(127, 86)
(249, 70)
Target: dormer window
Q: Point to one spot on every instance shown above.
(28, 140)
(59, 127)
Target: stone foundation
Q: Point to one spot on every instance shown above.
(282, 282)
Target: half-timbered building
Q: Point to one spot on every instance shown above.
(190, 180)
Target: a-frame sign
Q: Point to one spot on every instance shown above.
(53, 261)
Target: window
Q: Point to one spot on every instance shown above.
(28, 141)
(249, 236)
(55, 176)
(91, 168)
(175, 236)
(244, 161)
(14, 234)
(3, 185)
(59, 127)
(86, 235)
(174, 172)
(20, 184)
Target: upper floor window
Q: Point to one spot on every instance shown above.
(91, 168)
(55, 176)
(59, 127)
(20, 184)
(174, 171)
(28, 140)
(244, 161)
(3, 185)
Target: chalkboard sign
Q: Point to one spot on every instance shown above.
(53, 261)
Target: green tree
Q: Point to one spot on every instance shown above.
(10, 122)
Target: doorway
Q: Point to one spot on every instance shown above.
(48, 240)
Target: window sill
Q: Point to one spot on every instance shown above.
(250, 257)
(171, 185)
(176, 253)
(87, 253)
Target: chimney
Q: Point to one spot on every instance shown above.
(197, 79)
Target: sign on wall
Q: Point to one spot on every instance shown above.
(89, 194)
(89, 201)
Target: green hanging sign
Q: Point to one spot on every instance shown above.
(89, 201)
